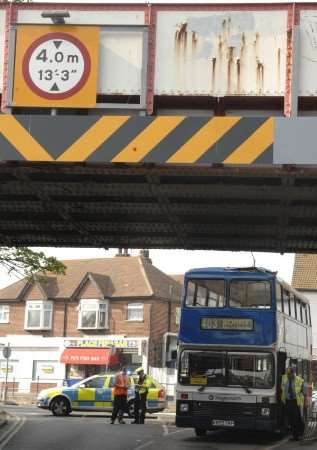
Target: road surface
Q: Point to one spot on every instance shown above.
(38, 430)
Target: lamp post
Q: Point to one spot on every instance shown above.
(6, 351)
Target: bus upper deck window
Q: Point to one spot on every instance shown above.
(300, 311)
(279, 297)
(293, 306)
(306, 314)
(190, 293)
(287, 302)
(205, 293)
(250, 294)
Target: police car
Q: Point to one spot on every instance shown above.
(96, 394)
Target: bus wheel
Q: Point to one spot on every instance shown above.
(200, 432)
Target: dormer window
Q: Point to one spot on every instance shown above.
(93, 314)
(38, 315)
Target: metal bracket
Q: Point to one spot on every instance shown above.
(141, 106)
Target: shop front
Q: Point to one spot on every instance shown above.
(86, 357)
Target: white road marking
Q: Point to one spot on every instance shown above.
(165, 430)
(180, 431)
(278, 444)
(146, 444)
(12, 431)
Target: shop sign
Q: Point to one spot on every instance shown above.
(102, 343)
(4, 369)
(12, 366)
(47, 369)
(44, 369)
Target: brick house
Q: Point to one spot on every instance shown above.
(102, 312)
(305, 280)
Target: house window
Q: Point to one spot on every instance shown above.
(177, 315)
(4, 313)
(39, 315)
(93, 314)
(135, 312)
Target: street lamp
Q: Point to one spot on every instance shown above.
(57, 17)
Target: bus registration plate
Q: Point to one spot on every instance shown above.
(222, 423)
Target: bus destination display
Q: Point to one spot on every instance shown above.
(226, 323)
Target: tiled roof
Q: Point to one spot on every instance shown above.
(305, 272)
(131, 276)
(163, 285)
(178, 278)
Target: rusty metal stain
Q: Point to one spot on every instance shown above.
(194, 40)
(259, 77)
(238, 75)
(181, 37)
(213, 73)
(236, 57)
(229, 68)
(259, 65)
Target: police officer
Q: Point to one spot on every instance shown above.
(141, 391)
(293, 399)
(120, 394)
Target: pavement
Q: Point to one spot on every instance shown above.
(31, 428)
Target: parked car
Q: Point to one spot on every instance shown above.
(96, 394)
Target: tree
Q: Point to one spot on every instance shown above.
(24, 262)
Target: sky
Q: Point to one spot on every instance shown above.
(178, 261)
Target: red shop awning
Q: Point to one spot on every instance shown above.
(98, 356)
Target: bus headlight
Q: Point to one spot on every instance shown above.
(184, 407)
(265, 412)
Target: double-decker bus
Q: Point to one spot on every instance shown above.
(240, 329)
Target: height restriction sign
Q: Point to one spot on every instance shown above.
(56, 66)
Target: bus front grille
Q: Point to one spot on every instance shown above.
(220, 409)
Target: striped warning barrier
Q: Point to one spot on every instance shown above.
(134, 139)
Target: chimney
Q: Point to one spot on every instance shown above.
(123, 252)
(145, 255)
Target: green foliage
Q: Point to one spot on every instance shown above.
(24, 262)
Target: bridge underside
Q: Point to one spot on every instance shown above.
(263, 208)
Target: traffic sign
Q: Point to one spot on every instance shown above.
(6, 351)
(56, 66)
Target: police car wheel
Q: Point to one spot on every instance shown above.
(60, 406)
(131, 409)
(200, 432)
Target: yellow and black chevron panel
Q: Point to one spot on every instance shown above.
(134, 139)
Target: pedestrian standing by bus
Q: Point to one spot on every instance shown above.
(141, 391)
(293, 399)
(120, 395)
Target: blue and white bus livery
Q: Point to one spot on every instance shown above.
(239, 330)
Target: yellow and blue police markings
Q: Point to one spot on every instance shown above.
(82, 396)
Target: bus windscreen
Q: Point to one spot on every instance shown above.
(250, 294)
(231, 369)
(211, 293)
(206, 293)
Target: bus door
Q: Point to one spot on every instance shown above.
(281, 368)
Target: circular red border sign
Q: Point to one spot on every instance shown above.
(49, 37)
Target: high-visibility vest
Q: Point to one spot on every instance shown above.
(298, 386)
(122, 381)
(144, 385)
